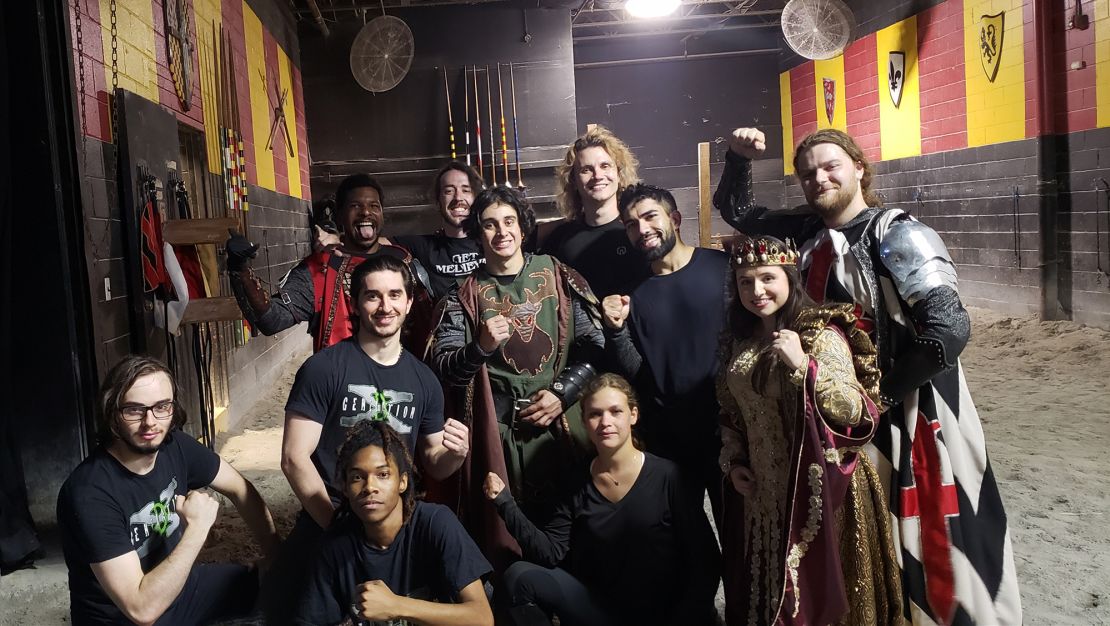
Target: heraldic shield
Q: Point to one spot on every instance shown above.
(896, 76)
(830, 97)
(991, 30)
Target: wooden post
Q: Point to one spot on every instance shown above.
(705, 197)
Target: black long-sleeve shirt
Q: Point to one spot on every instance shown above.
(652, 554)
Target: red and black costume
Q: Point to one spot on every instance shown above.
(318, 291)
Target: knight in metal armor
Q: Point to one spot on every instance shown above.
(947, 514)
(317, 289)
(515, 341)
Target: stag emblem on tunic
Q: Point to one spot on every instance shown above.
(530, 347)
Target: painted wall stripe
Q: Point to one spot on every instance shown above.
(787, 124)
(899, 126)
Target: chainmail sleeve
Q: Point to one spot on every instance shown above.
(455, 360)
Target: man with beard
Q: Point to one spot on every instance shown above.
(665, 336)
(316, 289)
(365, 377)
(591, 239)
(957, 563)
(133, 520)
(448, 254)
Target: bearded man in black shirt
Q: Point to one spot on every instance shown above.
(133, 519)
(448, 254)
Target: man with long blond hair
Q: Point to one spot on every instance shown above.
(946, 512)
(590, 238)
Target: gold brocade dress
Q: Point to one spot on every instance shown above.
(758, 433)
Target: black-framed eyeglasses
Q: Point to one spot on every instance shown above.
(137, 412)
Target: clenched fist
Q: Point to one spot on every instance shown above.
(198, 508)
(614, 310)
(456, 438)
(494, 332)
(748, 142)
(494, 486)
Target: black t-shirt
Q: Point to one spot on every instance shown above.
(650, 557)
(446, 258)
(432, 558)
(601, 254)
(676, 321)
(105, 511)
(341, 385)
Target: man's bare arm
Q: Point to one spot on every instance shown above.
(297, 445)
(143, 598)
(250, 505)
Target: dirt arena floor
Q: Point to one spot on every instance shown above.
(1041, 392)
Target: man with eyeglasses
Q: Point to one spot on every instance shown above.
(133, 519)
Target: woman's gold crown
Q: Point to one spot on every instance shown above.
(758, 251)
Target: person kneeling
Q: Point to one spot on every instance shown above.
(133, 520)
(386, 556)
(631, 546)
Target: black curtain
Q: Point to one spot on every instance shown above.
(18, 540)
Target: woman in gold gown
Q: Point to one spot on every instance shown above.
(806, 536)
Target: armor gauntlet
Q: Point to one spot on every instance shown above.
(571, 381)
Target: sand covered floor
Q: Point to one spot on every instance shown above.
(1042, 395)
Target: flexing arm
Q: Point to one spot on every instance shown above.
(297, 445)
(456, 361)
(143, 598)
(291, 305)
(251, 506)
(375, 602)
(443, 453)
(735, 201)
(545, 547)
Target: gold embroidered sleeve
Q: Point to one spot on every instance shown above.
(839, 394)
(734, 446)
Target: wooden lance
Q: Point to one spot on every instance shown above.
(516, 133)
(492, 144)
(450, 119)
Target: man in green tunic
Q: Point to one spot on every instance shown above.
(515, 340)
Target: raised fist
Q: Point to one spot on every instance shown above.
(494, 331)
(614, 310)
(198, 508)
(494, 486)
(239, 251)
(748, 142)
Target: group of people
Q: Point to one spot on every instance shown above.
(522, 421)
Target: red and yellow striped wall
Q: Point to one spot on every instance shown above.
(948, 102)
(262, 70)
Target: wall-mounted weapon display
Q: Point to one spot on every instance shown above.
(470, 77)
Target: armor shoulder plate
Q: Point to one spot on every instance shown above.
(917, 259)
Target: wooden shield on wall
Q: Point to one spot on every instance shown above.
(991, 31)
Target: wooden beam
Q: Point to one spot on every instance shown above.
(705, 197)
(208, 230)
(219, 309)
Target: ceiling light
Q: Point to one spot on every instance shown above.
(651, 8)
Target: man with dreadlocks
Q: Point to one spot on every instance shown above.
(388, 557)
(367, 377)
(957, 563)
